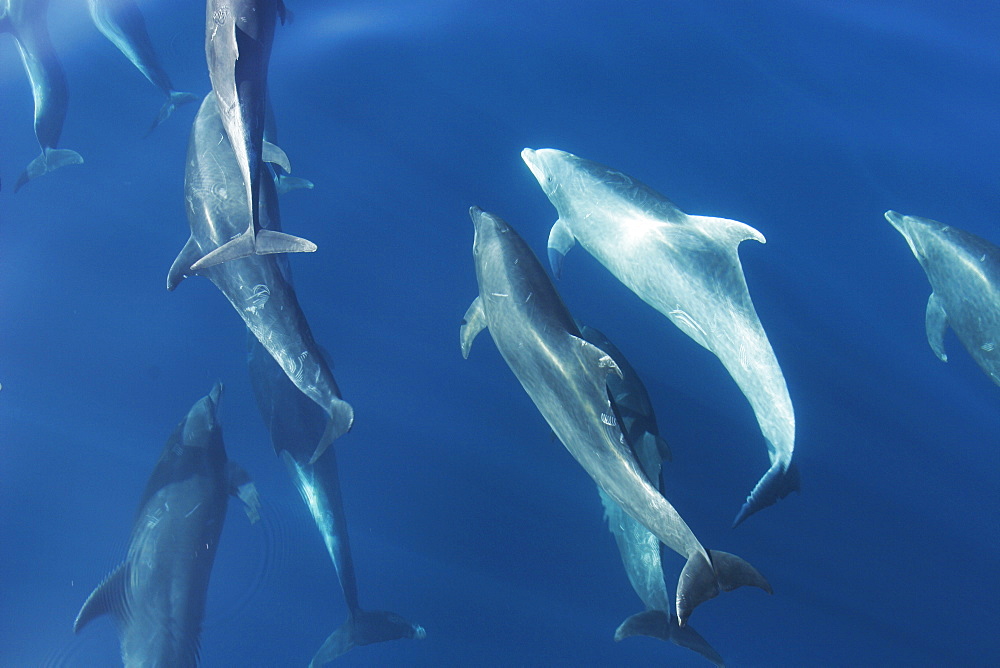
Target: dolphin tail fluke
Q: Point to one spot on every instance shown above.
(285, 183)
(366, 628)
(107, 598)
(659, 624)
(241, 246)
(702, 580)
(341, 421)
(269, 242)
(175, 98)
(777, 483)
(49, 160)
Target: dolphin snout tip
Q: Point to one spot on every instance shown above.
(895, 218)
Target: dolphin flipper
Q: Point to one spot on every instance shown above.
(181, 268)
(659, 624)
(273, 154)
(49, 160)
(239, 484)
(175, 98)
(285, 183)
(365, 627)
(107, 599)
(701, 580)
(936, 322)
(561, 240)
(341, 420)
(473, 322)
(776, 484)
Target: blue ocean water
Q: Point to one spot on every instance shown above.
(806, 120)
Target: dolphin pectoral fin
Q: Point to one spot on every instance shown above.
(596, 358)
(776, 484)
(284, 183)
(366, 627)
(473, 322)
(49, 160)
(936, 322)
(560, 241)
(239, 485)
(175, 99)
(702, 580)
(730, 232)
(241, 246)
(662, 447)
(273, 154)
(181, 268)
(341, 420)
(269, 242)
(107, 598)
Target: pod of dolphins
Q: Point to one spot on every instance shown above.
(685, 266)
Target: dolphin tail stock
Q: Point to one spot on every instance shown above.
(49, 160)
(340, 422)
(175, 98)
(704, 579)
(662, 625)
(779, 481)
(364, 627)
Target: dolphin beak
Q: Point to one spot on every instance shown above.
(895, 218)
(530, 157)
(215, 395)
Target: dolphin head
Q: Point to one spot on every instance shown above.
(202, 420)
(918, 232)
(549, 165)
(489, 228)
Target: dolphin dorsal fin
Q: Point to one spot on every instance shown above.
(731, 232)
(108, 598)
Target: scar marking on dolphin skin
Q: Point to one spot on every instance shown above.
(500, 294)
(191, 512)
(258, 298)
(989, 346)
(609, 420)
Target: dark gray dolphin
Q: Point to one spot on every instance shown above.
(639, 548)
(26, 21)
(157, 595)
(295, 424)
(238, 36)
(964, 272)
(687, 268)
(123, 24)
(256, 287)
(566, 378)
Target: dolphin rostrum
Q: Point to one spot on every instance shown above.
(238, 36)
(123, 24)
(964, 272)
(688, 269)
(640, 549)
(295, 423)
(26, 20)
(255, 286)
(566, 378)
(157, 595)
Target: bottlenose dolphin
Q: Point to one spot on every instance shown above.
(964, 272)
(25, 20)
(688, 269)
(238, 36)
(123, 24)
(157, 595)
(566, 378)
(640, 549)
(295, 423)
(256, 287)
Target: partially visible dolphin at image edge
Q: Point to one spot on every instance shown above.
(122, 23)
(27, 22)
(687, 268)
(964, 273)
(157, 595)
(566, 378)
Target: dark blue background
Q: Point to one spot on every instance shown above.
(805, 120)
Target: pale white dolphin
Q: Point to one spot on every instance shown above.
(688, 269)
(964, 272)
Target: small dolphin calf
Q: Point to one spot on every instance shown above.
(25, 20)
(238, 36)
(122, 23)
(964, 272)
(157, 595)
(566, 378)
(255, 286)
(688, 269)
(295, 424)
(640, 549)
